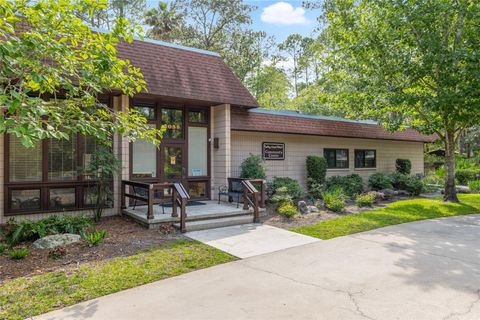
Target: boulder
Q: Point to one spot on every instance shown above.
(402, 193)
(56, 240)
(302, 206)
(463, 189)
(312, 209)
(387, 193)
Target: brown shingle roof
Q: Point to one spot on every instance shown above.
(186, 73)
(262, 120)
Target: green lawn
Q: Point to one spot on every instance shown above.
(25, 297)
(395, 213)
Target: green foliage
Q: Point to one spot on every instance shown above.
(380, 180)
(103, 167)
(463, 176)
(287, 210)
(403, 166)
(316, 169)
(413, 184)
(395, 213)
(64, 55)
(25, 297)
(2, 248)
(94, 238)
(474, 185)
(315, 189)
(270, 85)
(28, 230)
(334, 199)
(405, 63)
(294, 189)
(351, 184)
(281, 196)
(18, 254)
(365, 199)
(252, 168)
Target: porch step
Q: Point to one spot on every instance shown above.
(216, 223)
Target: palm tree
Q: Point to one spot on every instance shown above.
(164, 22)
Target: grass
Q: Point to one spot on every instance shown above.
(25, 297)
(395, 213)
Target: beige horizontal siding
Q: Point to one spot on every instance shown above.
(298, 147)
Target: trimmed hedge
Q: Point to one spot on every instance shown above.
(403, 166)
(316, 169)
(351, 185)
(253, 168)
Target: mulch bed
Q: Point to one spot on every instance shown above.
(125, 237)
(274, 219)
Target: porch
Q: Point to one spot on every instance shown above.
(153, 204)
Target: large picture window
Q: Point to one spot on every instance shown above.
(365, 158)
(62, 159)
(336, 158)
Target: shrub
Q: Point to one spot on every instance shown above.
(413, 184)
(474, 185)
(18, 254)
(315, 189)
(334, 199)
(403, 166)
(316, 170)
(95, 237)
(463, 176)
(2, 248)
(399, 181)
(253, 168)
(282, 196)
(366, 199)
(287, 210)
(351, 185)
(294, 189)
(30, 230)
(380, 181)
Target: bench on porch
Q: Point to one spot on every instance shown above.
(236, 189)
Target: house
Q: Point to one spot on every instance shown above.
(212, 122)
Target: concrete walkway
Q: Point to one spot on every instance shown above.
(421, 270)
(250, 240)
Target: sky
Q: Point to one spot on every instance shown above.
(278, 18)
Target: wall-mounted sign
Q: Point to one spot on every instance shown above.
(273, 151)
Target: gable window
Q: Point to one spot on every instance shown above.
(336, 158)
(365, 158)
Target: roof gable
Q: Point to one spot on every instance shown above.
(187, 73)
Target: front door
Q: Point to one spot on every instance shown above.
(173, 163)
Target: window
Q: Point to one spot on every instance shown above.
(197, 189)
(172, 119)
(89, 148)
(25, 164)
(146, 110)
(198, 150)
(197, 116)
(144, 159)
(62, 159)
(336, 158)
(25, 199)
(365, 158)
(173, 162)
(62, 198)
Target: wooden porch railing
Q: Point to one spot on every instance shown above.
(179, 197)
(251, 197)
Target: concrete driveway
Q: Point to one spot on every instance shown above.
(422, 270)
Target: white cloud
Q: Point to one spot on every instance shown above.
(283, 13)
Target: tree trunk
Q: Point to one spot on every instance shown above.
(450, 191)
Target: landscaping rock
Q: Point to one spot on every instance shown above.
(402, 193)
(312, 209)
(387, 193)
(56, 240)
(302, 206)
(463, 189)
